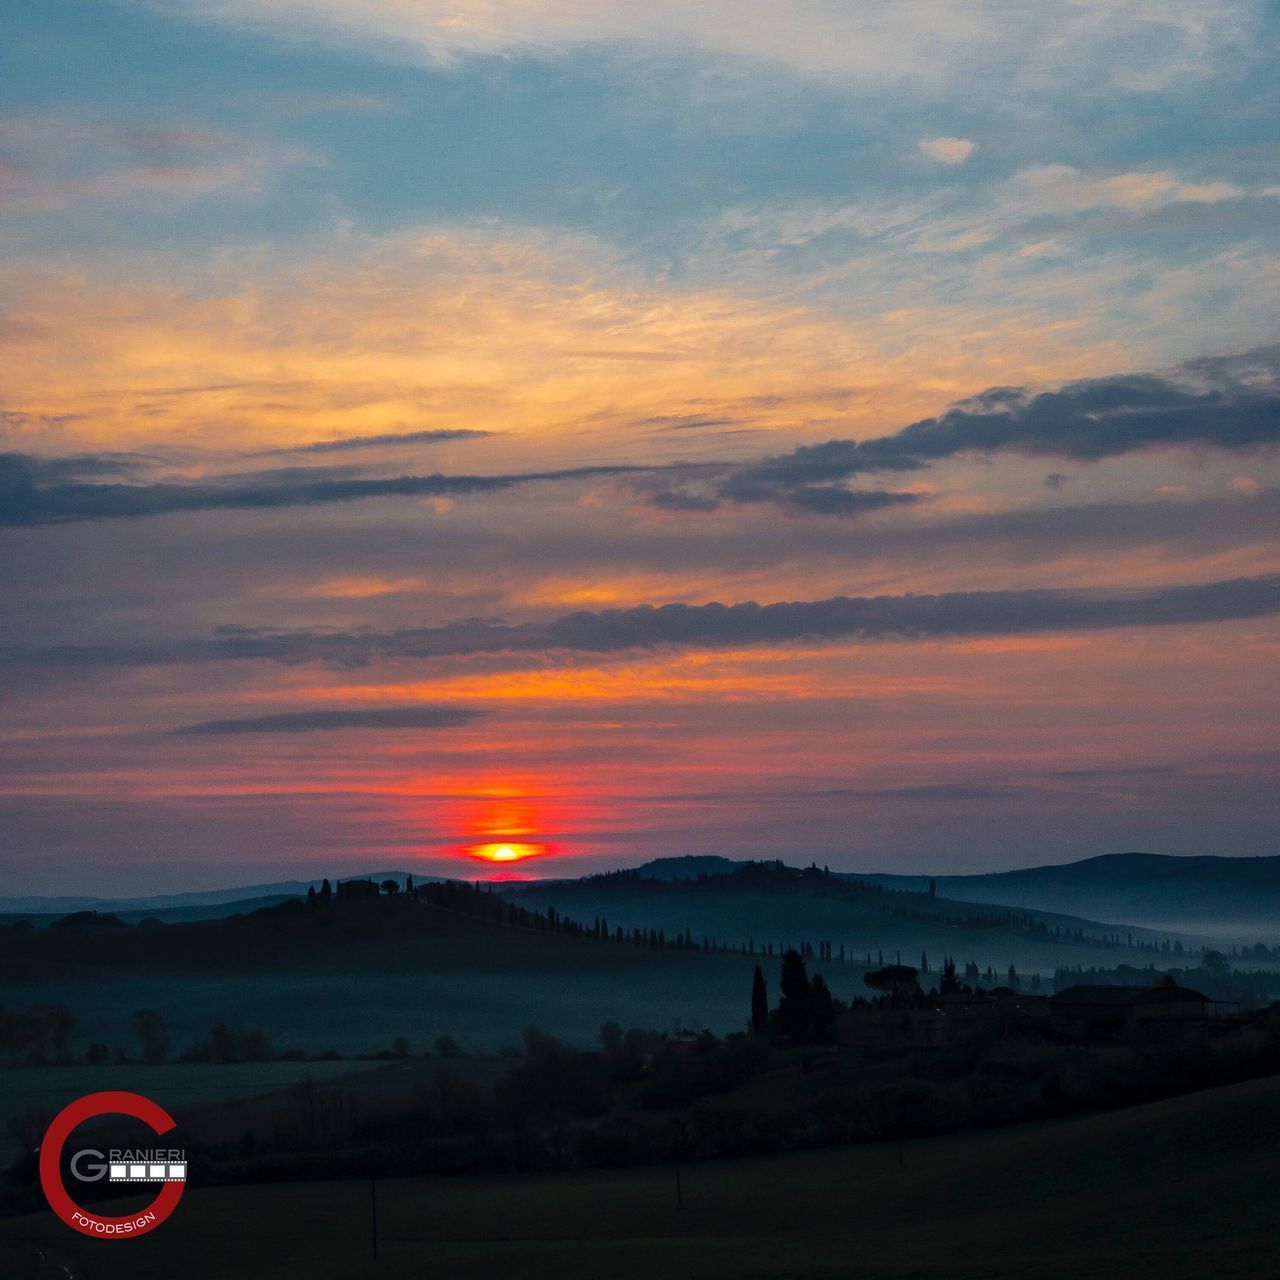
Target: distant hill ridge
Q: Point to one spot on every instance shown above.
(1227, 897)
(278, 890)
(1235, 897)
(1231, 899)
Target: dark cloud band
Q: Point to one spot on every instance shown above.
(906, 617)
(26, 497)
(389, 440)
(1225, 402)
(313, 721)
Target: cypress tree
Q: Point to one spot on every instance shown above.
(759, 1002)
(795, 1005)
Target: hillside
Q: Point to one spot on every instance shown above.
(689, 867)
(351, 977)
(1232, 899)
(166, 915)
(1179, 1190)
(170, 905)
(769, 904)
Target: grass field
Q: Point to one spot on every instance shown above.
(1180, 1190)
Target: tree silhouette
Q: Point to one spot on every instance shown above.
(759, 1002)
(822, 1023)
(148, 1025)
(795, 1008)
(61, 1023)
(326, 890)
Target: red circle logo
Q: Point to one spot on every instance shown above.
(94, 1224)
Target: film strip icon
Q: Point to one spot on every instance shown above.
(147, 1173)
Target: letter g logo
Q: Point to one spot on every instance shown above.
(85, 1171)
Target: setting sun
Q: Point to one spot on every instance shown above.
(509, 852)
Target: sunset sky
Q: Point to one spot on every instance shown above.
(824, 430)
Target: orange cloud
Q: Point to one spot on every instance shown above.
(540, 336)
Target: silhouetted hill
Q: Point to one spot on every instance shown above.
(378, 934)
(689, 867)
(351, 975)
(166, 915)
(770, 904)
(172, 906)
(1230, 898)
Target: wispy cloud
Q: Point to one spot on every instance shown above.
(1062, 188)
(952, 151)
(1228, 403)
(496, 329)
(50, 162)
(918, 41)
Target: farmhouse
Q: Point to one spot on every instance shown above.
(353, 890)
(1112, 1013)
(940, 1019)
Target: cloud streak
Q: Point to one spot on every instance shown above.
(329, 721)
(26, 501)
(868, 618)
(350, 444)
(1227, 403)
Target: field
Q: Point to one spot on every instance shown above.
(361, 1012)
(1180, 1190)
(46, 1090)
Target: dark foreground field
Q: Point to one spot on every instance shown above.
(1180, 1190)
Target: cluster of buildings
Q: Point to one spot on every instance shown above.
(1085, 1013)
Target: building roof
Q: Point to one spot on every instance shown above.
(1170, 994)
(1096, 995)
(1165, 991)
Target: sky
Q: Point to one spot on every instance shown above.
(826, 430)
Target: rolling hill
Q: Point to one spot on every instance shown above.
(170, 905)
(769, 904)
(1232, 899)
(353, 977)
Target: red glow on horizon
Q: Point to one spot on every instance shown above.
(504, 823)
